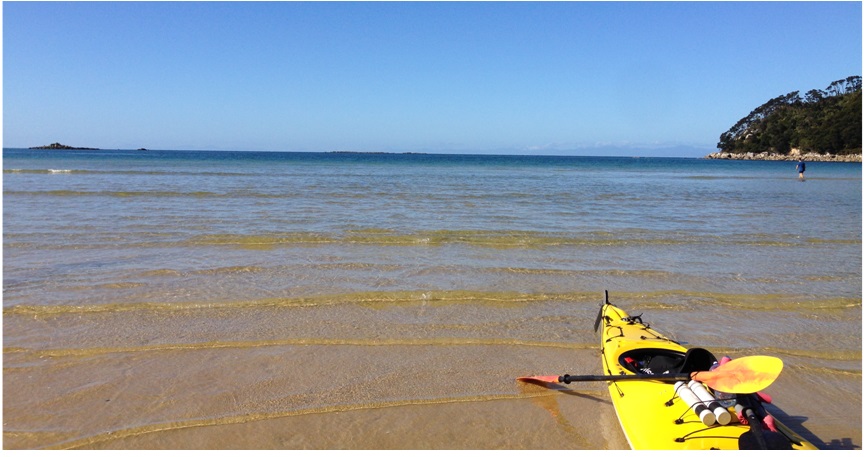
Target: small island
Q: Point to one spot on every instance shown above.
(63, 146)
(822, 126)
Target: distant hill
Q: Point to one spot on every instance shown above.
(823, 121)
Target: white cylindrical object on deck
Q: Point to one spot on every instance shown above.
(721, 414)
(705, 415)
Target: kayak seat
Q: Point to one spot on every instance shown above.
(697, 359)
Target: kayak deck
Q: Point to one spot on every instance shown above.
(652, 415)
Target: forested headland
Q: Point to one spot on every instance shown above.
(822, 124)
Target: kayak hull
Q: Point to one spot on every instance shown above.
(651, 415)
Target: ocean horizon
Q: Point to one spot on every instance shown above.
(611, 150)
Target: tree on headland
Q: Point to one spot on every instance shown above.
(824, 121)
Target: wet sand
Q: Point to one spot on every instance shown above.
(339, 375)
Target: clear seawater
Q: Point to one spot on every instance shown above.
(148, 249)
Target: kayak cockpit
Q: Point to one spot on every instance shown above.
(661, 360)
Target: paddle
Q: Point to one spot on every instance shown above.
(739, 376)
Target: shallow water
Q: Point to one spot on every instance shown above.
(352, 301)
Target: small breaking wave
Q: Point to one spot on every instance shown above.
(667, 299)
(125, 172)
(492, 239)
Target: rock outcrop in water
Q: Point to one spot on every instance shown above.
(63, 146)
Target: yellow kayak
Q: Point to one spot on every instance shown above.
(663, 414)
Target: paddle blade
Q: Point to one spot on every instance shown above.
(743, 376)
(551, 378)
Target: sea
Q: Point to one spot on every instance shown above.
(291, 300)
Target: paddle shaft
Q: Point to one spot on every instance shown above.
(567, 379)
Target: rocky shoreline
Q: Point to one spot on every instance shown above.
(795, 156)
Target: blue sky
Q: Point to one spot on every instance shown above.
(532, 77)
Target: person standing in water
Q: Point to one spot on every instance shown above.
(800, 167)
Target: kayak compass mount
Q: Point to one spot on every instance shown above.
(634, 319)
(629, 320)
